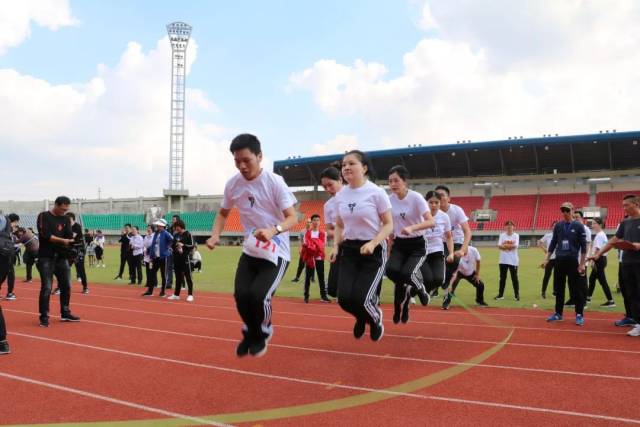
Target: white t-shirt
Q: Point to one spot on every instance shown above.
(587, 232)
(330, 211)
(360, 209)
(599, 241)
(260, 202)
(467, 264)
(406, 212)
(546, 239)
(457, 217)
(435, 235)
(509, 257)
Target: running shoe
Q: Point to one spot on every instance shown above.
(404, 316)
(69, 318)
(147, 294)
(4, 347)
(579, 320)
(543, 295)
(190, 298)
(555, 317)
(635, 332)
(44, 322)
(85, 291)
(243, 346)
(358, 328)
(424, 296)
(377, 331)
(11, 297)
(482, 303)
(498, 297)
(608, 304)
(173, 297)
(325, 299)
(625, 321)
(56, 291)
(258, 348)
(446, 301)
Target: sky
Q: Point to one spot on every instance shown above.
(85, 85)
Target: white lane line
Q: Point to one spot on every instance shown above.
(374, 356)
(104, 398)
(473, 325)
(334, 385)
(486, 312)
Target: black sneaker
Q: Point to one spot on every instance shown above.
(358, 328)
(147, 294)
(69, 318)
(56, 291)
(446, 302)
(85, 291)
(543, 295)
(4, 347)
(482, 303)
(404, 316)
(11, 297)
(44, 322)
(306, 300)
(377, 331)
(325, 299)
(517, 297)
(425, 298)
(608, 304)
(243, 347)
(295, 280)
(498, 297)
(396, 313)
(258, 348)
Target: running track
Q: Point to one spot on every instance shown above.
(155, 362)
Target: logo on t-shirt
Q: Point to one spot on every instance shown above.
(60, 227)
(252, 200)
(351, 206)
(403, 215)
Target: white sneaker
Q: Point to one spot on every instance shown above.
(190, 298)
(635, 332)
(174, 297)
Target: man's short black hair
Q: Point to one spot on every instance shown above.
(599, 221)
(445, 188)
(13, 217)
(245, 140)
(314, 216)
(71, 215)
(176, 216)
(401, 171)
(579, 213)
(127, 225)
(180, 223)
(136, 227)
(62, 200)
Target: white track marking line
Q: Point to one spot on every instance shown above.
(376, 356)
(473, 325)
(341, 386)
(104, 398)
(280, 301)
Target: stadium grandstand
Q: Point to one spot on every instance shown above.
(518, 179)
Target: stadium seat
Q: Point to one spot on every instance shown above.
(520, 209)
(549, 207)
(469, 204)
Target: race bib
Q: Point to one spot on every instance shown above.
(265, 250)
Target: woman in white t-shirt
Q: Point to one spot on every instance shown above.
(469, 270)
(411, 217)
(331, 181)
(363, 223)
(544, 243)
(599, 265)
(438, 238)
(267, 212)
(508, 243)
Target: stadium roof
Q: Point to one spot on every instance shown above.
(530, 156)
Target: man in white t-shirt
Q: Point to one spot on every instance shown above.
(508, 243)
(469, 269)
(267, 212)
(599, 265)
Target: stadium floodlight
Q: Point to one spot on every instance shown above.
(179, 34)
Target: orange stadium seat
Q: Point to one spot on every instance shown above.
(233, 224)
(469, 204)
(519, 209)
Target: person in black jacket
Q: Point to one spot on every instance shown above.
(182, 246)
(78, 251)
(570, 246)
(7, 225)
(125, 250)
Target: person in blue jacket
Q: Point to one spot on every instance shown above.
(158, 252)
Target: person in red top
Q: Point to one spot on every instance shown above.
(314, 241)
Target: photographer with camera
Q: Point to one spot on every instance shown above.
(78, 251)
(56, 240)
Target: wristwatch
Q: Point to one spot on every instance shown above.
(279, 228)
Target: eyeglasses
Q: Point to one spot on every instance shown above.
(565, 210)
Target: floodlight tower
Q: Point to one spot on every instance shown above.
(179, 33)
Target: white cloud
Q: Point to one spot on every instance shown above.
(17, 15)
(339, 144)
(111, 132)
(492, 70)
(427, 21)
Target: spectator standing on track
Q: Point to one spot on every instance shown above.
(125, 251)
(363, 224)
(136, 243)
(182, 247)
(168, 268)
(411, 216)
(148, 239)
(29, 240)
(599, 266)
(469, 270)
(56, 239)
(331, 181)
(267, 212)
(629, 231)
(300, 269)
(461, 233)
(433, 269)
(159, 251)
(99, 247)
(78, 252)
(315, 241)
(544, 243)
(7, 225)
(508, 243)
(570, 246)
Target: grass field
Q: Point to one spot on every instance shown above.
(219, 270)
